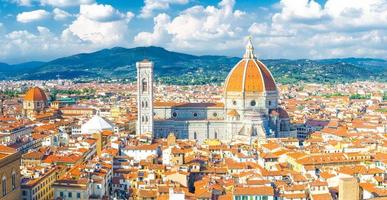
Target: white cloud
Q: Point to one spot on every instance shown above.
(151, 5)
(299, 11)
(60, 14)
(159, 34)
(101, 13)
(23, 2)
(338, 28)
(36, 15)
(65, 3)
(200, 27)
(293, 29)
(100, 24)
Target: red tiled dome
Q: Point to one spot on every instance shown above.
(35, 94)
(250, 75)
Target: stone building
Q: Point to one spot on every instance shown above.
(249, 109)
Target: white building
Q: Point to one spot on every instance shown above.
(96, 124)
(249, 109)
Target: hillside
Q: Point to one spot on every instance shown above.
(179, 68)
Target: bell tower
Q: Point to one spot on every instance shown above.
(144, 97)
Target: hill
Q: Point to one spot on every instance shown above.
(178, 68)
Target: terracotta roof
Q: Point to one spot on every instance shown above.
(35, 94)
(260, 190)
(250, 75)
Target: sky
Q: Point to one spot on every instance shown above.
(314, 29)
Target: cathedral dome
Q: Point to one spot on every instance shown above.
(35, 94)
(250, 75)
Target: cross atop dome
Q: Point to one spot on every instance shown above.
(249, 54)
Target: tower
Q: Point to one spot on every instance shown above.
(144, 97)
(1, 105)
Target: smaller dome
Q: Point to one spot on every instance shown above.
(35, 94)
(96, 124)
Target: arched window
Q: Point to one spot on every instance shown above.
(216, 135)
(13, 180)
(142, 104)
(144, 84)
(146, 104)
(142, 119)
(195, 136)
(4, 185)
(146, 118)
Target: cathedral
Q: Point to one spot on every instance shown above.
(249, 109)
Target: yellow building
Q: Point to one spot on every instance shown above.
(9, 173)
(40, 187)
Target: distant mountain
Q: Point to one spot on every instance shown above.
(179, 68)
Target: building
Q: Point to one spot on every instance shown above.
(96, 124)
(349, 188)
(10, 173)
(249, 109)
(35, 102)
(145, 96)
(39, 184)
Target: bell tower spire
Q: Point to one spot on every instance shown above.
(249, 54)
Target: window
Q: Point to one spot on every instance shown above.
(4, 185)
(234, 102)
(253, 103)
(215, 114)
(195, 114)
(195, 136)
(70, 194)
(13, 180)
(146, 104)
(24, 193)
(142, 104)
(216, 135)
(61, 194)
(174, 114)
(269, 103)
(144, 85)
(78, 195)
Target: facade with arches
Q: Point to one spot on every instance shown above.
(249, 109)
(9, 173)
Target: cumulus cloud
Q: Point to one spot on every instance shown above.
(197, 28)
(100, 24)
(151, 5)
(36, 15)
(338, 28)
(60, 14)
(23, 2)
(293, 29)
(65, 3)
(158, 36)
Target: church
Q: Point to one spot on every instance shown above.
(249, 109)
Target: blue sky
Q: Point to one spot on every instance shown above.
(47, 29)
